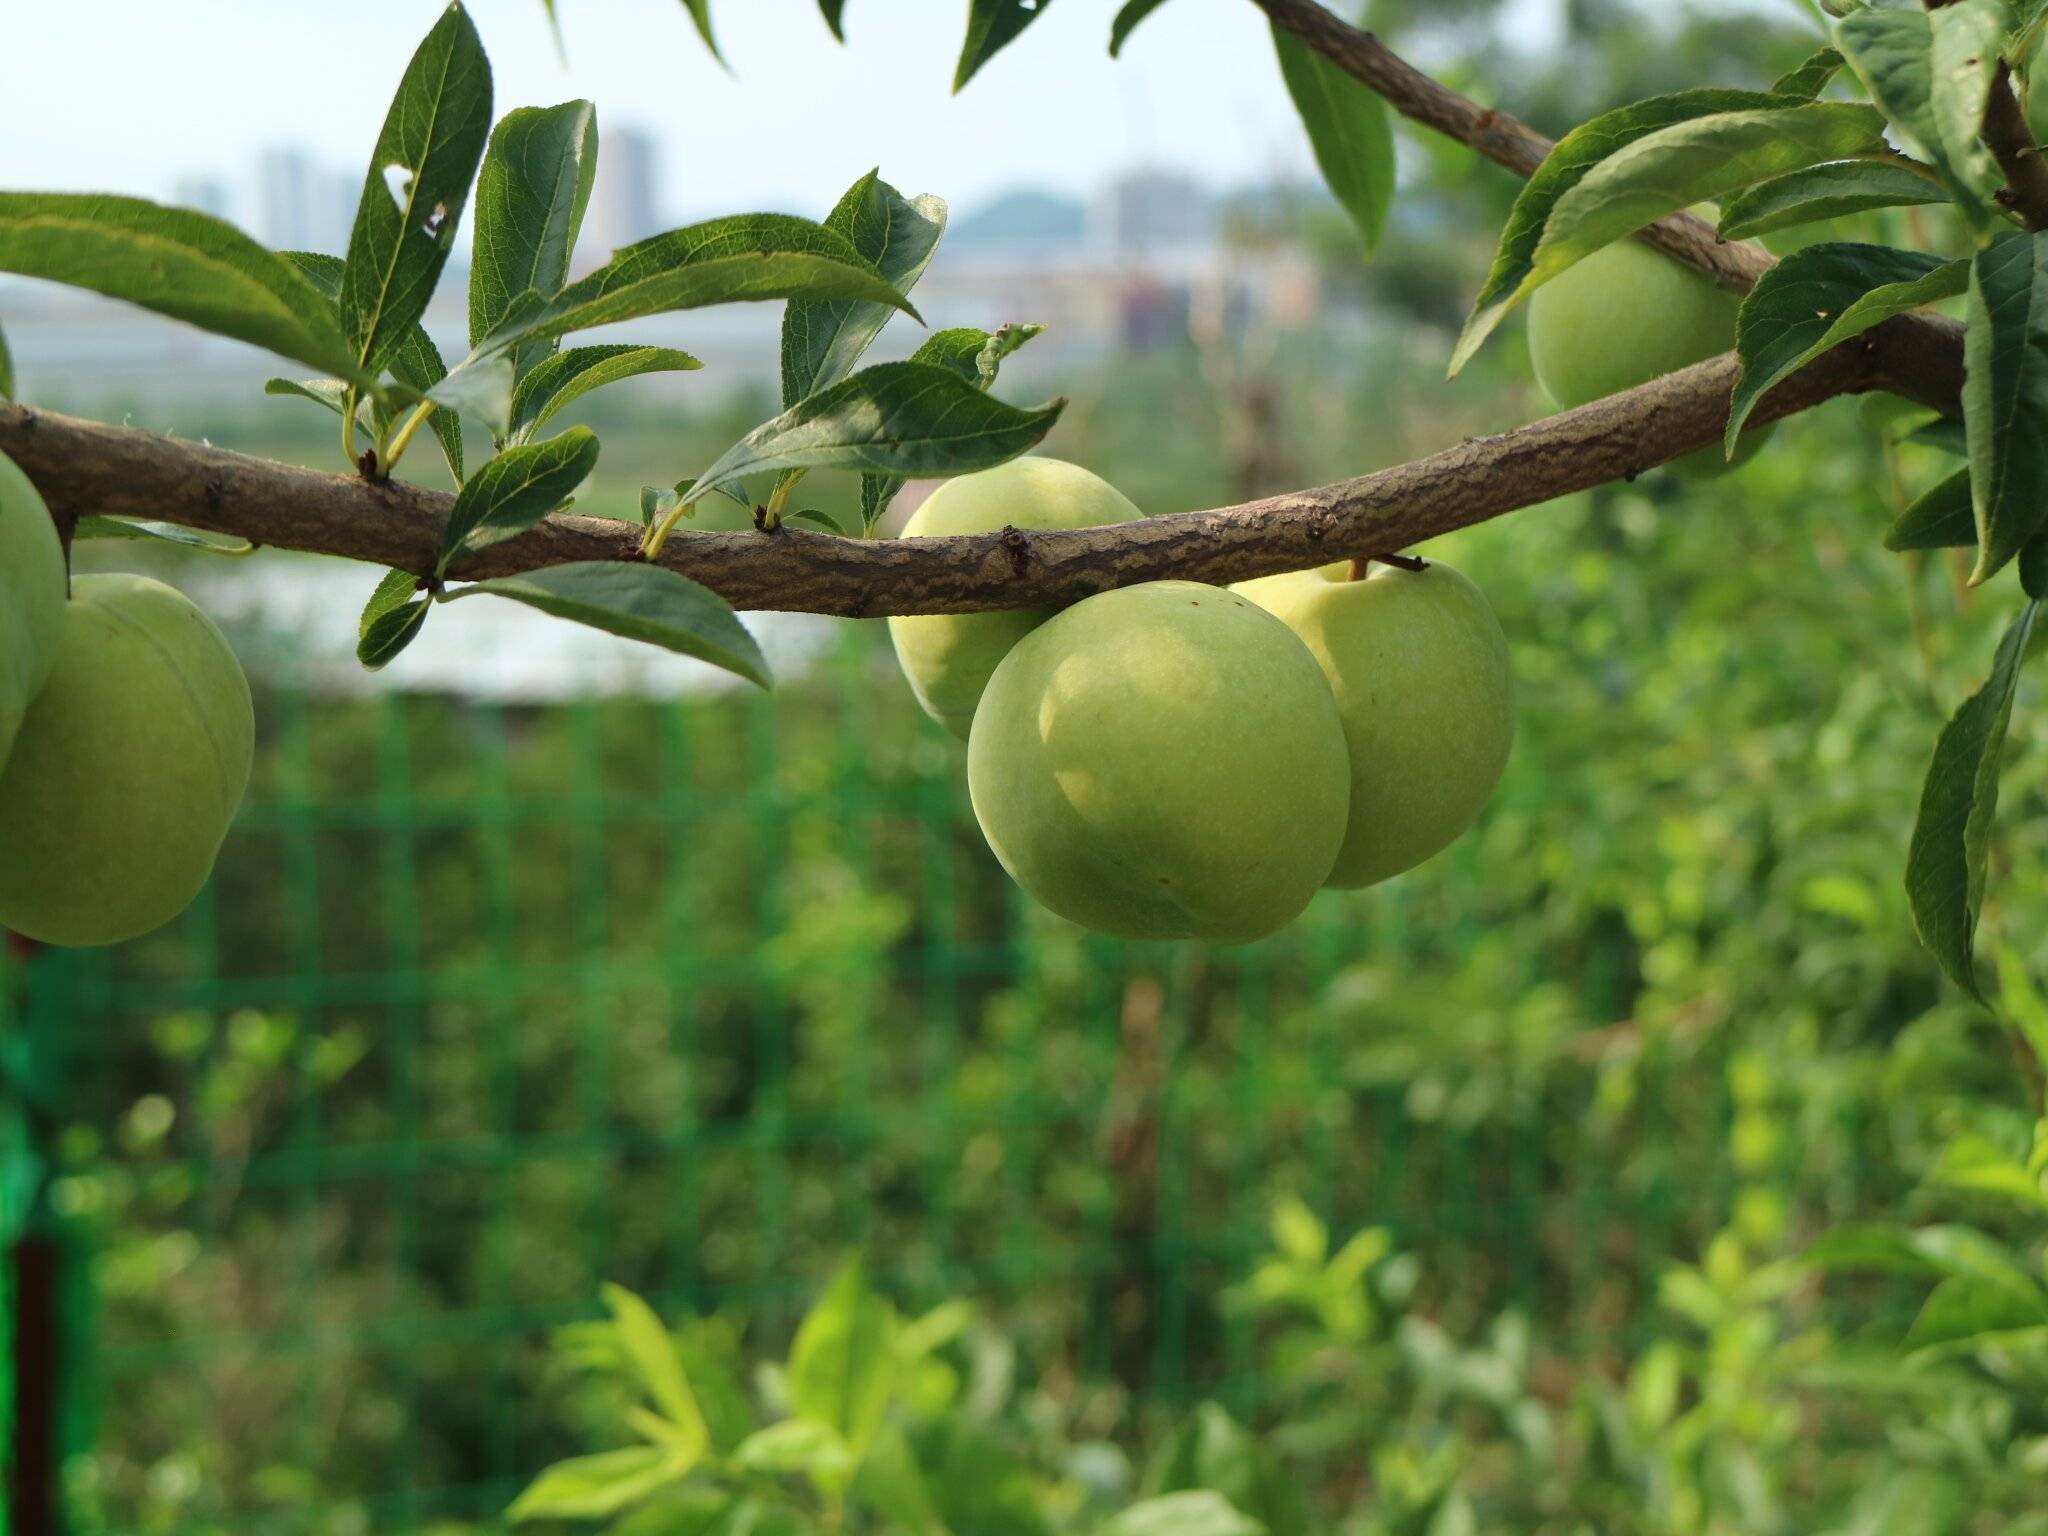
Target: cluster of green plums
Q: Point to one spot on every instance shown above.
(126, 735)
(1175, 760)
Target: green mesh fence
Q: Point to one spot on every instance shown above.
(488, 1005)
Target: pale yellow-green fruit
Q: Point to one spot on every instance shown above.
(31, 598)
(948, 657)
(1162, 761)
(1626, 315)
(127, 771)
(1419, 667)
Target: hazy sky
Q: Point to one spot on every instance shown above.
(132, 95)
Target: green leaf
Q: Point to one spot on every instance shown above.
(712, 1383)
(992, 25)
(482, 389)
(331, 393)
(1940, 518)
(516, 490)
(1963, 1310)
(1941, 1250)
(418, 180)
(896, 419)
(651, 1356)
(1945, 863)
(1567, 164)
(175, 262)
(568, 376)
(977, 357)
(2034, 568)
(1692, 162)
(1930, 79)
(594, 1487)
(1825, 192)
(6, 369)
(815, 518)
(834, 12)
(1127, 21)
(639, 602)
(1349, 131)
(391, 620)
(841, 1363)
(1819, 297)
(796, 1445)
(2005, 396)
(822, 339)
(700, 13)
(150, 532)
(1871, 1247)
(1811, 76)
(1199, 1513)
(748, 257)
(530, 200)
(1981, 1166)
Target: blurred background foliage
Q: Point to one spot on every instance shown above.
(1483, 1195)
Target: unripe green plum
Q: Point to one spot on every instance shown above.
(31, 598)
(1419, 667)
(1162, 761)
(948, 657)
(128, 769)
(1625, 315)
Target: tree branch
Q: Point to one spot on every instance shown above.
(85, 467)
(2012, 144)
(1496, 135)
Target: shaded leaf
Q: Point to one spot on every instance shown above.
(426, 155)
(592, 1487)
(822, 339)
(481, 389)
(1811, 76)
(531, 196)
(516, 490)
(391, 620)
(992, 25)
(1825, 192)
(1945, 863)
(186, 265)
(1940, 518)
(1934, 108)
(568, 376)
(1819, 297)
(834, 12)
(2005, 396)
(1127, 20)
(1349, 130)
(895, 418)
(6, 369)
(639, 602)
(977, 356)
(152, 532)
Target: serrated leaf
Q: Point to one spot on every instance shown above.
(2005, 396)
(992, 25)
(1930, 81)
(419, 176)
(1825, 192)
(895, 418)
(1349, 131)
(6, 369)
(1811, 76)
(1819, 297)
(568, 376)
(976, 356)
(1945, 863)
(748, 257)
(822, 339)
(1940, 518)
(1694, 162)
(531, 196)
(151, 532)
(186, 265)
(594, 1487)
(1567, 164)
(639, 602)
(392, 620)
(516, 490)
(1127, 21)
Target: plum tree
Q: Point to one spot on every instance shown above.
(127, 770)
(1419, 667)
(949, 657)
(1626, 315)
(1162, 761)
(31, 598)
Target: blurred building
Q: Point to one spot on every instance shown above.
(303, 205)
(625, 204)
(205, 194)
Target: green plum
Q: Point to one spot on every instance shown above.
(1626, 315)
(31, 598)
(1420, 670)
(128, 769)
(948, 657)
(1162, 761)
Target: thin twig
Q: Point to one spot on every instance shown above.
(2012, 144)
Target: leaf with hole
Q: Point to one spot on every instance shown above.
(2005, 396)
(1349, 132)
(568, 376)
(1819, 297)
(1939, 518)
(823, 339)
(531, 196)
(189, 266)
(426, 155)
(895, 418)
(1825, 192)
(1945, 862)
(516, 490)
(638, 602)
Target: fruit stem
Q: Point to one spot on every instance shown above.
(1357, 571)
